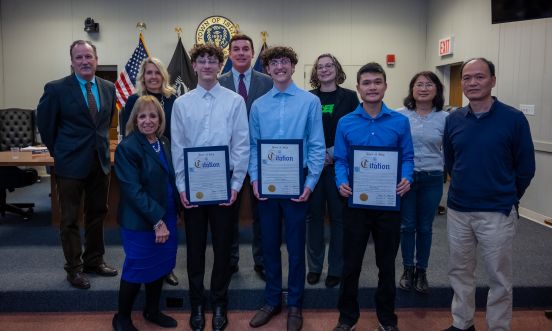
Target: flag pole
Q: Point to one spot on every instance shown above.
(178, 31)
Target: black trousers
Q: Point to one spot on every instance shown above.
(93, 189)
(385, 228)
(197, 221)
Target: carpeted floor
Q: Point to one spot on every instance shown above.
(32, 276)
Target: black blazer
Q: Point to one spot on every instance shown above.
(346, 101)
(143, 181)
(260, 85)
(68, 130)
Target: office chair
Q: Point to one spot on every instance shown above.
(17, 129)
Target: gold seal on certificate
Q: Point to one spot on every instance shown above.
(375, 172)
(207, 175)
(280, 168)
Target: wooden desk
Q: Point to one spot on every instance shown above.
(33, 160)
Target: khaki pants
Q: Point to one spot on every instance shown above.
(493, 232)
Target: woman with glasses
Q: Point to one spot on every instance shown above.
(153, 79)
(336, 101)
(423, 107)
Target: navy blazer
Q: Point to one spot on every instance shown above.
(260, 84)
(68, 130)
(143, 182)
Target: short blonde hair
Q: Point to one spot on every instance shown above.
(140, 104)
(166, 89)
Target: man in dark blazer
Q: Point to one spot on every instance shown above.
(73, 116)
(250, 84)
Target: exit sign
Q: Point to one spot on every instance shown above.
(445, 46)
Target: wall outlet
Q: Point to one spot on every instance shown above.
(527, 109)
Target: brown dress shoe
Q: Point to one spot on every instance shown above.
(295, 319)
(79, 280)
(263, 315)
(101, 270)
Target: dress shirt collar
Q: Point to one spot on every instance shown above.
(84, 81)
(214, 91)
(385, 111)
(291, 90)
(247, 74)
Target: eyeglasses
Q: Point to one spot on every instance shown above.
(209, 60)
(325, 66)
(284, 62)
(426, 85)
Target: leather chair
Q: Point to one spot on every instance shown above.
(17, 129)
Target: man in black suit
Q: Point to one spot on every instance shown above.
(250, 84)
(74, 115)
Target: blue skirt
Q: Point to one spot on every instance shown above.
(145, 260)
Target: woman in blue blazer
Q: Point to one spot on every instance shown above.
(147, 212)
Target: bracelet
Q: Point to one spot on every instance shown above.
(158, 224)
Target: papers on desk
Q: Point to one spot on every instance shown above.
(36, 150)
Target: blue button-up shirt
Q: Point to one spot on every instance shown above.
(292, 114)
(388, 129)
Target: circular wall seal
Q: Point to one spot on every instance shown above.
(216, 30)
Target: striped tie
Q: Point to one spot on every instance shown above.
(92, 107)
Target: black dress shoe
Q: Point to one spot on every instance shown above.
(171, 279)
(453, 328)
(101, 269)
(295, 319)
(332, 281)
(121, 323)
(197, 319)
(160, 319)
(79, 280)
(313, 277)
(263, 315)
(220, 321)
(260, 270)
(420, 281)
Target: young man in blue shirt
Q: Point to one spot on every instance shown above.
(490, 156)
(285, 112)
(371, 124)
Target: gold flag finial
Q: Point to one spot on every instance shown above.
(237, 26)
(141, 26)
(264, 34)
(178, 31)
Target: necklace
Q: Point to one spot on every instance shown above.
(156, 146)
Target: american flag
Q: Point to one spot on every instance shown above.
(124, 87)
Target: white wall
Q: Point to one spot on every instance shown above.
(37, 34)
(522, 54)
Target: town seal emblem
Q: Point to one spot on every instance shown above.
(216, 30)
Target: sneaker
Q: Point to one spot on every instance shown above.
(420, 281)
(407, 279)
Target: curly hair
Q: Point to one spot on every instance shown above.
(278, 52)
(438, 101)
(206, 49)
(166, 89)
(340, 75)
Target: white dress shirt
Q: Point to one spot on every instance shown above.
(217, 117)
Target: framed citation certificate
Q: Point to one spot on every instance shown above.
(281, 172)
(207, 175)
(374, 174)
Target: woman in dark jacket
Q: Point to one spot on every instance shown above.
(147, 212)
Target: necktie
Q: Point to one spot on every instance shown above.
(241, 88)
(92, 107)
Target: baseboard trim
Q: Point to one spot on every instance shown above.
(534, 216)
